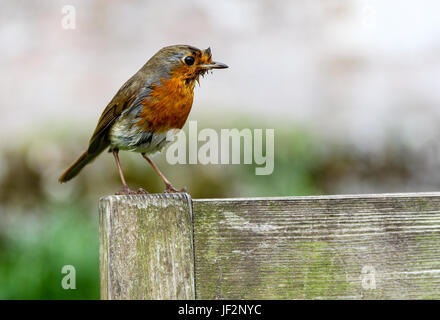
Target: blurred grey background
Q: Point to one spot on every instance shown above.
(350, 86)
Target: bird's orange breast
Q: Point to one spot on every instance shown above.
(167, 106)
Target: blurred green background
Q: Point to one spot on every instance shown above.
(351, 88)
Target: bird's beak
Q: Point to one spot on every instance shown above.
(214, 65)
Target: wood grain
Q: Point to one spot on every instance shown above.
(383, 246)
(146, 247)
(331, 247)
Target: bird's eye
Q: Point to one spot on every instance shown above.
(189, 60)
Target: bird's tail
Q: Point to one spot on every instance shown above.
(76, 167)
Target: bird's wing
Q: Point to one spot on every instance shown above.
(124, 98)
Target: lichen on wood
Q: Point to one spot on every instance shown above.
(147, 247)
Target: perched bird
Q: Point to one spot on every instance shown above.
(157, 99)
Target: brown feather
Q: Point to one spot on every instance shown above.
(99, 141)
(76, 167)
(120, 102)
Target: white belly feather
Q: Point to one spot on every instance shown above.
(126, 135)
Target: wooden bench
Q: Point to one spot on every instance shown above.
(169, 246)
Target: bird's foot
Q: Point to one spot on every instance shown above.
(125, 190)
(142, 191)
(171, 189)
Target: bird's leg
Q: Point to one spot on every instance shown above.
(169, 186)
(125, 188)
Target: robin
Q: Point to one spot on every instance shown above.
(151, 104)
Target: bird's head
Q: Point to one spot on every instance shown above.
(183, 61)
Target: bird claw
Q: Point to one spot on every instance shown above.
(142, 191)
(125, 191)
(128, 191)
(171, 189)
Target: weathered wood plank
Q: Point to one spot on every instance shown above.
(332, 247)
(146, 247)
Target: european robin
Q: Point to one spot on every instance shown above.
(152, 103)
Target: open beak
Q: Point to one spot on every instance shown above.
(214, 65)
